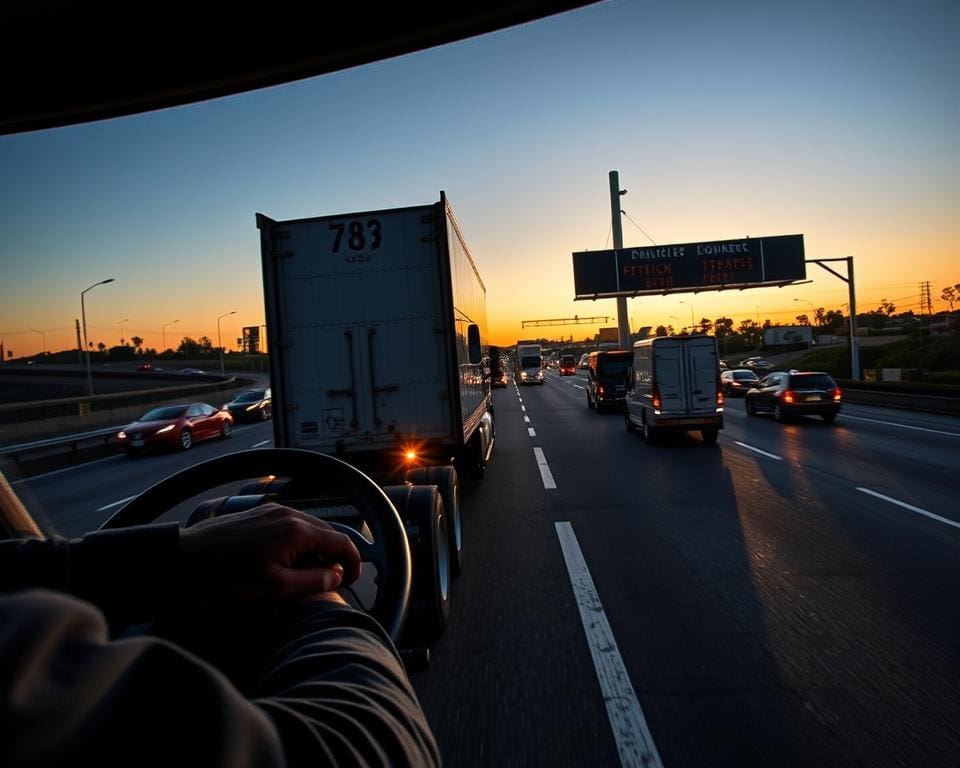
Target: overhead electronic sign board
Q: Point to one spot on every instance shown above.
(686, 267)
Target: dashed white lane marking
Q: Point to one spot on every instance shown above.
(116, 503)
(931, 515)
(630, 731)
(545, 474)
(523, 408)
(757, 450)
(902, 426)
(262, 442)
(531, 432)
(578, 386)
(526, 418)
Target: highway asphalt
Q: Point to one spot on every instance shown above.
(790, 596)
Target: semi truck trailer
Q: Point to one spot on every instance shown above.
(376, 322)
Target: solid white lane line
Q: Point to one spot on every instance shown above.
(902, 426)
(630, 730)
(531, 432)
(757, 450)
(262, 442)
(526, 418)
(931, 515)
(545, 474)
(117, 503)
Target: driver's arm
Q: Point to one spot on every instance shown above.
(334, 693)
(128, 573)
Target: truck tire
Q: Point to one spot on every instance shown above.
(631, 427)
(710, 435)
(445, 478)
(421, 509)
(476, 462)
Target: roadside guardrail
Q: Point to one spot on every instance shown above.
(56, 444)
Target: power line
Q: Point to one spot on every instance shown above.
(637, 225)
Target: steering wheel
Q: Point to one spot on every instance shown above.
(389, 550)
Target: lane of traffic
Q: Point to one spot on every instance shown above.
(914, 466)
(753, 599)
(79, 499)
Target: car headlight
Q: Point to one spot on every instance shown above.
(523, 375)
(121, 435)
(252, 407)
(165, 429)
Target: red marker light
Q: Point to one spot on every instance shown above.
(788, 396)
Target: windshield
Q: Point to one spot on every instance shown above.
(760, 581)
(613, 367)
(164, 414)
(744, 376)
(812, 380)
(567, 360)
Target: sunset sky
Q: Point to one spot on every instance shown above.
(840, 121)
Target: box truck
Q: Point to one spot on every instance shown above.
(529, 363)
(674, 385)
(376, 322)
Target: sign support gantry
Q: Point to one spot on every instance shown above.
(575, 320)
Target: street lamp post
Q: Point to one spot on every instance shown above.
(120, 323)
(220, 343)
(674, 317)
(163, 335)
(86, 344)
(812, 310)
(691, 314)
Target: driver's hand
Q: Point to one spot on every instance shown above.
(267, 552)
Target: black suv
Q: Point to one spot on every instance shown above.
(794, 393)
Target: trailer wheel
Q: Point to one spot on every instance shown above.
(422, 512)
(445, 478)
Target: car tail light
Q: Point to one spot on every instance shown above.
(719, 397)
(787, 396)
(656, 398)
(836, 395)
(600, 389)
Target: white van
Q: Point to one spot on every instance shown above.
(674, 384)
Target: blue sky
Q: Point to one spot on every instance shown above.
(838, 121)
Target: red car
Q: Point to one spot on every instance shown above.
(568, 365)
(175, 426)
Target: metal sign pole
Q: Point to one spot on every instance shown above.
(623, 319)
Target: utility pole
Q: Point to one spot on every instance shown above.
(76, 322)
(623, 320)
